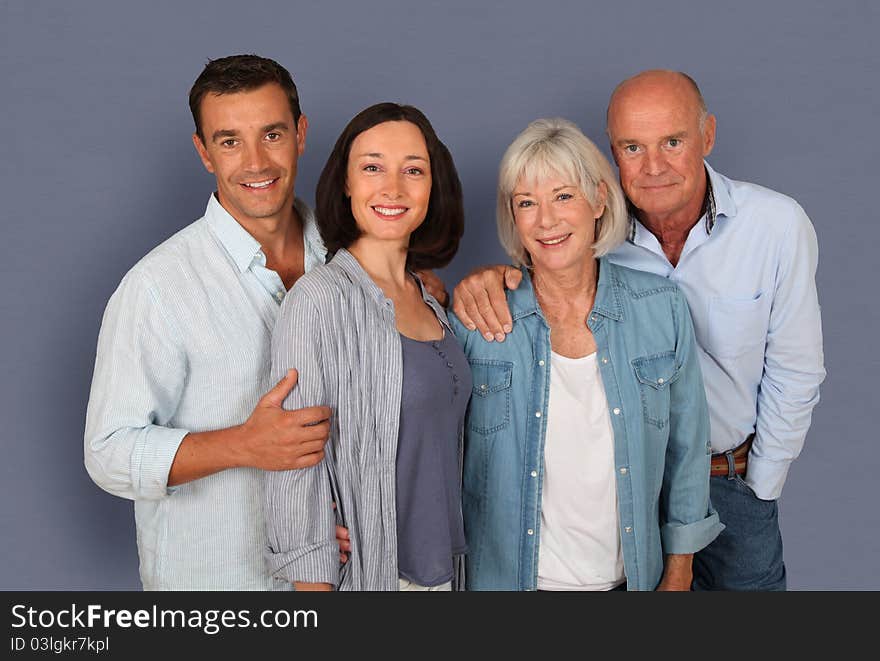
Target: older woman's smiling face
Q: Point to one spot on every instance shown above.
(556, 221)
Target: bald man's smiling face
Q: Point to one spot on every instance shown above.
(659, 145)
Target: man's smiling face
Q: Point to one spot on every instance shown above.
(659, 137)
(252, 144)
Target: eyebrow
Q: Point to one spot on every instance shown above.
(632, 141)
(223, 133)
(409, 157)
(555, 190)
(231, 133)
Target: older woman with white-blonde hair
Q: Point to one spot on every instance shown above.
(587, 438)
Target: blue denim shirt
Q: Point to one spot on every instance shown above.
(651, 376)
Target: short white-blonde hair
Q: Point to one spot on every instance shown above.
(557, 147)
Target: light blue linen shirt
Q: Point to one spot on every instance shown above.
(184, 347)
(749, 278)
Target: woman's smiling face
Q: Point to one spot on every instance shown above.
(389, 180)
(556, 222)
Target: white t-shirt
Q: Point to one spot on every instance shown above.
(580, 539)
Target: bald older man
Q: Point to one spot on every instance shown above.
(745, 258)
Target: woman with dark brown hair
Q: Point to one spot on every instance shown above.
(372, 344)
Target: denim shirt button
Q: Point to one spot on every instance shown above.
(604, 360)
(541, 363)
(530, 531)
(616, 411)
(537, 414)
(623, 470)
(628, 529)
(534, 473)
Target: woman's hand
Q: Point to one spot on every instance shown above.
(677, 574)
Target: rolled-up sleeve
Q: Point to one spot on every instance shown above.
(139, 376)
(300, 523)
(687, 521)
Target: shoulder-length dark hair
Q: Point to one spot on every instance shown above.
(435, 241)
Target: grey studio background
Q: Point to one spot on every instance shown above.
(98, 168)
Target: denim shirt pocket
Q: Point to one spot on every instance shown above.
(489, 410)
(655, 373)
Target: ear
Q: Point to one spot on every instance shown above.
(302, 127)
(202, 152)
(601, 198)
(708, 135)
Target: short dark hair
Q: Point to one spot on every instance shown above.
(240, 73)
(435, 242)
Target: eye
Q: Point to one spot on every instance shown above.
(273, 136)
(229, 142)
(673, 142)
(564, 196)
(525, 204)
(631, 149)
(414, 171)
(370, 168)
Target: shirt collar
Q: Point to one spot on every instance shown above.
(716, 202)
(244, 248)
(234, 238)
(523, 302)
(352, 267)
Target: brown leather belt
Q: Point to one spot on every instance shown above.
(739, 455)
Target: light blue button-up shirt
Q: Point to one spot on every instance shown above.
(749, 278)
(651, 380)
(184, 347)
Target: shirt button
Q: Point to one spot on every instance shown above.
(593, 317)
(534, 473)
(623, 470)
(604, 360)
(628, 529)
(483, 386)
(616, 411)
(537, 414)
(530, 531)
(449, 364)
(279, 295)
(660, 380)
(541, 363)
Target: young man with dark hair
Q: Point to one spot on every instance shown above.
(182, 418)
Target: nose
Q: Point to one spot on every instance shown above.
(393, 183)
(545, 216)
(255, 158)
(654, 163)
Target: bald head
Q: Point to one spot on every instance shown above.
(658, 83)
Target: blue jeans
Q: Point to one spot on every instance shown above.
(747, 555)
